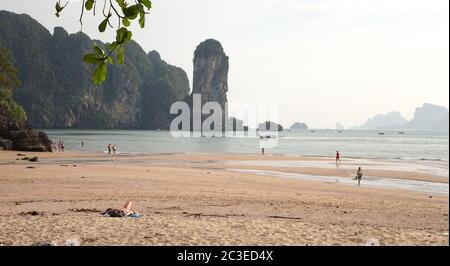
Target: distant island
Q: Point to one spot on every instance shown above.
(427, 117)
(299, 126)
(392, 120)
(270, 126)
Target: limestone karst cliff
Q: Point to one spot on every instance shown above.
(210, 78)
(57, 91)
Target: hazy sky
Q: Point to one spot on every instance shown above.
(324, 61)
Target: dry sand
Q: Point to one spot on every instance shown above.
(194, 200)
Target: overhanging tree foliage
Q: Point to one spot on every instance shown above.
(124, 13)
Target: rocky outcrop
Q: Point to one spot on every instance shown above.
(26, 139)
(299, 126)
(429, 117)
(5, 144)
(210, 78)
(392, 120)
(57, 90)
(270, 126)
(211, 72)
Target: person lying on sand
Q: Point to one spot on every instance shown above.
(126, 211)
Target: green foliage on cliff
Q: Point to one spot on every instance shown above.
(11, 114)
(57, 89)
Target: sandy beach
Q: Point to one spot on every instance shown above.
(213, 199)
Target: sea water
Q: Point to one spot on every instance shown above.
(411, 145)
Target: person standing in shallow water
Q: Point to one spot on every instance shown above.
(109, 149)
(359, 175)
(338, 157)
(114, 148)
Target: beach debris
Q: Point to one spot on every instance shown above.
(198, 215)
(64, 165)
(20, 154)
(43, 244)
(74, 165)
(25, 158)
(31, 167)
(430, 197)
(195, 215)
(84, 210)
(33, 213)
(372, 242)
(284, 217)
(34, 159)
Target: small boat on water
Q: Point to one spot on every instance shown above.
(340, 131)
(380, 133)
(401, 132)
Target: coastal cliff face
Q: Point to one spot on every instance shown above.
(14, 130)
(211, 72)
(57, 90)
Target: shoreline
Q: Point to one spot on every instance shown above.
(193, 199)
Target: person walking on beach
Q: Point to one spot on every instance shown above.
(359, 175)
(82, 145)
(338, 157)
(109, 149)
(62, 146)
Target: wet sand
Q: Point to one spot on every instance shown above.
(196, 200)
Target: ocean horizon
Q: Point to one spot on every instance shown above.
(368, 144)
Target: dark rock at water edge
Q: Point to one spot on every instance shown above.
(5, 144)
(25, 139)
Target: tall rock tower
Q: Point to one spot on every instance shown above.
(211, 74)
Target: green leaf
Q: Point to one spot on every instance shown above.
(89, 4)
(123, 35)
(120, 55)
(91, 59)
(146, 3)
(121, 3)
(111, 60)
(131, 12)
(58, 8)
(102, 26)
(112, 45)
(128, 36)
(142, 19)
(99, 50)
(99, 74)
(126, 22)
